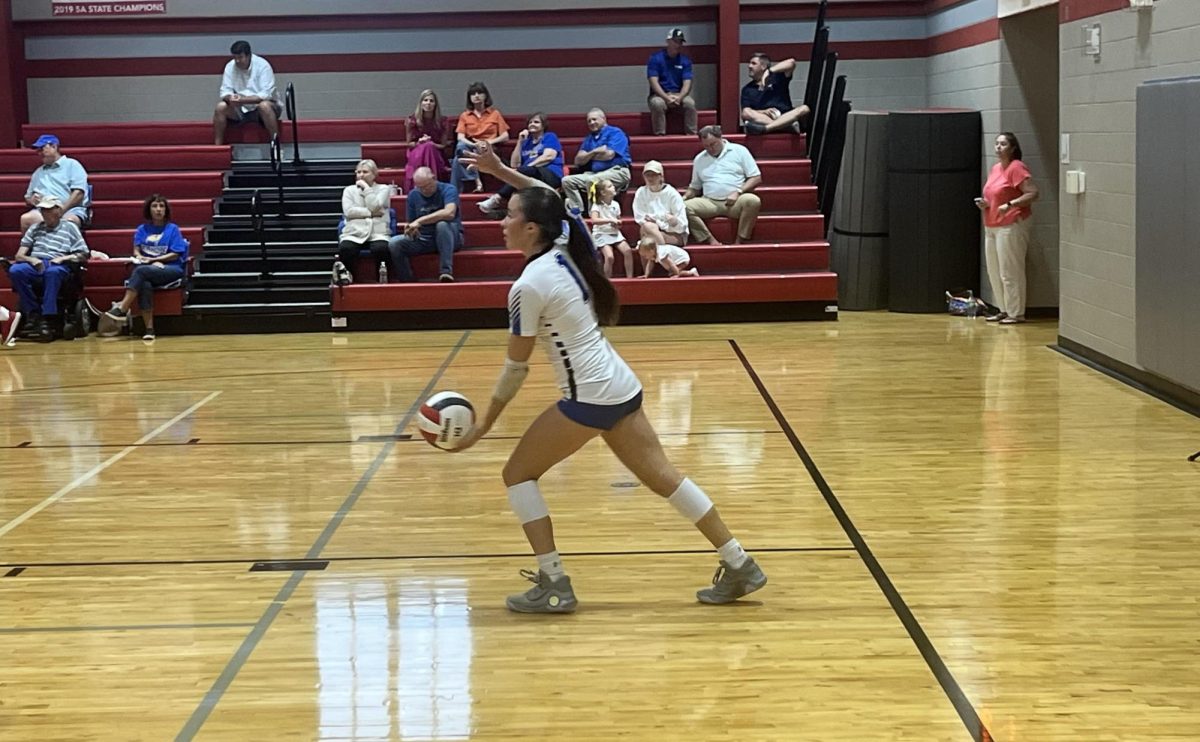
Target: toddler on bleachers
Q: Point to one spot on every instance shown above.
(674, 259)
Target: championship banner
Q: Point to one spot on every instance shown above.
(78, 8)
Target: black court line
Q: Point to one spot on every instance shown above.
(210, 700)
(14, 571)
(413, 557)
(953, 691)
(400, 438)
(24, 444)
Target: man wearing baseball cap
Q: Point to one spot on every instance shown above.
(43, 263)
(670, 74)
(59, 177)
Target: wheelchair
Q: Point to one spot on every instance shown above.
(77, 319)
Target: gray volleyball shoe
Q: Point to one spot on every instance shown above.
(546, 595)
(729, 584)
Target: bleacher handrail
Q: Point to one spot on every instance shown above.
(258, 224)
(817, 57)
(819, 119)
(289, 102)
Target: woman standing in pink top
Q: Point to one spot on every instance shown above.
(1005, 205)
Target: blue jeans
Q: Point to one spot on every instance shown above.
(446, 239)
(460, 172)
(146, 278)
(27, 281)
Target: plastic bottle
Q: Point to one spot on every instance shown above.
(972, 306)
(383, 272)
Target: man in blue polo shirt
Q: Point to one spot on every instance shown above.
(670, 74)
(59, 177)
(766, 101)
(604, 153)
(434, 225)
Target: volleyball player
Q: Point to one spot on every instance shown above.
(563, 298)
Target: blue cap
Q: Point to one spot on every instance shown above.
(43, 140)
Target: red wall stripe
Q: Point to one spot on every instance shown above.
(961, 38)
(1076, 10)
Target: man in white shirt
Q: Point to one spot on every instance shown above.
(247, 93)
(724, 177)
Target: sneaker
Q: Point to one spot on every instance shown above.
(43, 333)
(10, 322)
(148, 335)
(490, 206)
(995, 317)
(446, 278)
(1012, 320)
(753, 127)
(120, 315)
(729, 584)
(546, 596)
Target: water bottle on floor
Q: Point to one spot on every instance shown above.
(383, 272)
(972, 305)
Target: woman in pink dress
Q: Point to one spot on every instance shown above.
(1005, 205)
(429, 138)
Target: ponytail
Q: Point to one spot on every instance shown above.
(545, 208)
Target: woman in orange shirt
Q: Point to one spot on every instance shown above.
(479, 123)
(1005, 205)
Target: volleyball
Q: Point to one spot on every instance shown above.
(445, 419)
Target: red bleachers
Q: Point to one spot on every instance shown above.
(774, 199)
(149, 133)
(112, 186)
(395, 154)
(124, 159)
(190, 212)
(795, 287)
(771, 228)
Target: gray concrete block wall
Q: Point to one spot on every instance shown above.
(1097, 229)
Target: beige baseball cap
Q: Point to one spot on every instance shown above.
(49, 202)
(654, 166)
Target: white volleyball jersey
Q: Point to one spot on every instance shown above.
(552, 302)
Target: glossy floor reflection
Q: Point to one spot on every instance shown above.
(1038, 518)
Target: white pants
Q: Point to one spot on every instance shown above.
(1004, 249)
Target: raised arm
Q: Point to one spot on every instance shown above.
(488, 162)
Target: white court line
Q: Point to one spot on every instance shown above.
(101, 467)
(18, 395)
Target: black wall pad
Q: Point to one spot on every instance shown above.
(934, 174)
(858, 239)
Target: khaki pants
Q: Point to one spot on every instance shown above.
(575, 187)
(744, 210)
(658, 114)
(1004, 249)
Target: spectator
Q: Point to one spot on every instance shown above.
(670, 74)
(604, 150)
(479, 123)
(247, 93)
(429, 137)
(538, 154)
(48, 251)
(59, 177)
(160, 254)
(606, 227)
(724, 177)
(766, 100)
(1006, 201)
(434, 225)
(675, 260)
(366, 215)
(658, 209)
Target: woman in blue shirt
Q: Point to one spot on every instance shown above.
(538, 154)
(160, 257)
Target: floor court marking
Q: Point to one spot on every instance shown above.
(929, 653)
(118, 627)
(414, 557)
(192, 726)
(8, 527)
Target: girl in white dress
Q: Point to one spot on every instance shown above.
(606, 227)
(675, 260)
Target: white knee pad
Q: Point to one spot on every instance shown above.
(690, 501)
(527, 502)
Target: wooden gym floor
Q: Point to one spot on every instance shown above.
(968, 536)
